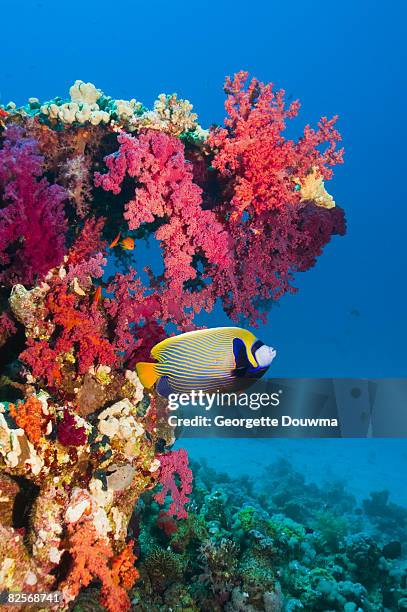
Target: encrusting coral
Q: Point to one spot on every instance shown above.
(236, 210)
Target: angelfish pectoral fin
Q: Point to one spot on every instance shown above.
(163, 387)
(147, 373)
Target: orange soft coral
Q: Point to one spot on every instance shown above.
(123, 570)
(30, 417)
(90, 558)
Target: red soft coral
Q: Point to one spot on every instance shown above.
(32, 219)
(89, 242)
(271, 228)
(166, 523)
(80, 332)
(172, 463)
(91, 558)
(80, 326)
(123, 571)
(29, 416)
(252, 151)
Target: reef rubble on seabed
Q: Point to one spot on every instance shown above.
(273, 543)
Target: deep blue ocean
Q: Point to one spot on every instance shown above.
(349, 317)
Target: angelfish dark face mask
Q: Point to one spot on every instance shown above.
(256, 345)
(258, 371)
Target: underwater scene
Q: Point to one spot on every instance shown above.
(245, 230)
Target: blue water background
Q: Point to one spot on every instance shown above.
(349, 57)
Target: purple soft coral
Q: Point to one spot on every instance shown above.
(32, 220)
(69, 434)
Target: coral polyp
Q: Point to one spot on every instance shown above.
(85, 182)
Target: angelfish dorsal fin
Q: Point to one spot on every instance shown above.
(157, 350)
(189, 338)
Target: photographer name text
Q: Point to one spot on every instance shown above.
(249, 423)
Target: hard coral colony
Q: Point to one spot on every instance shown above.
(236, 210)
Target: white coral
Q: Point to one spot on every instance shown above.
(84, 92)
(80, 503)
(17, 450)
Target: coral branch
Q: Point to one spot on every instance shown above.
(90, 558)
(175, 463)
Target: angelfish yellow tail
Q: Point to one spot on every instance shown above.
(147, 373)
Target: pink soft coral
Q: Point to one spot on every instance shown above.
(317, 227)
(86, 258)
(165, 190)
(133, 312)
(32, 220)
(175, 462)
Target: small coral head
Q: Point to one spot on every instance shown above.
(165, 522)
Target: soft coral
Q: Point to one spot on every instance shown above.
(252, 150)
(32, 220)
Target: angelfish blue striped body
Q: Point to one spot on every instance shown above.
(217, 359)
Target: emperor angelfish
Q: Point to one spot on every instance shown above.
(217, 359)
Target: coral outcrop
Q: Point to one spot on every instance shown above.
(85, 183)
